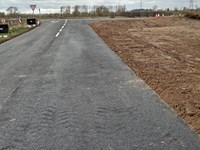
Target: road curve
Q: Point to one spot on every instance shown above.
(63, 88)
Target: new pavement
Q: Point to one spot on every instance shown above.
(62, 88)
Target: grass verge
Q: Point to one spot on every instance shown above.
(14, 32)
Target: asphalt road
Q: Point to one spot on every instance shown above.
(62, 88)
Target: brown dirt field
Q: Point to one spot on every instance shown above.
(165, 53)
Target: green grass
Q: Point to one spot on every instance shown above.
(14, 32)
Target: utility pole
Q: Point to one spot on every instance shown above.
(191, 6)
(39, 13)
(95, 9)
(140, 4)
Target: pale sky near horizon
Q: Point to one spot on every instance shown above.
(51, 6)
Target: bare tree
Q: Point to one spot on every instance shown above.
(62, 9)
(12, 10)
(84, 8)
(68, 9)
(2, 14)
(176, 9)
(110, 8)
(76, 11)
(102, 11)
(155, 7)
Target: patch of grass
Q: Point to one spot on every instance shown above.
(18, 30)
(14, 32)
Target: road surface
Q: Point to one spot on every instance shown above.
(63, 88)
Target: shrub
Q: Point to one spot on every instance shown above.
(192, 15)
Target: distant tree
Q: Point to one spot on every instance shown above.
(102, 11)
(12, 10)
(62, 9)
(84, 8)
(155, 7)
(76, 11)
(167, 9)
(2, 14)
(111, 8)
(176, 9)
(68, 10)
(65, 11)
(184, 8)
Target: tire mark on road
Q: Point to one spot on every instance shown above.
(111, 121)
(64, 119)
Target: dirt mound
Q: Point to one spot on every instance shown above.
(165, 53)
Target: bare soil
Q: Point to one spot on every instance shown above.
(165, 53)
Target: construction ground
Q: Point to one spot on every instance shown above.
(165, 53)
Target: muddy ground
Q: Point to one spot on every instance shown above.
(165, 53)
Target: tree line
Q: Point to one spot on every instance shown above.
(70, 11)
(95, 11)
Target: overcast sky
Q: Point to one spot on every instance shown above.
(51, 6)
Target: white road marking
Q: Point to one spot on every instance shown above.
(57, 34)
(54, 21)
(12, 120)
(61, 29)
(22, 76)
